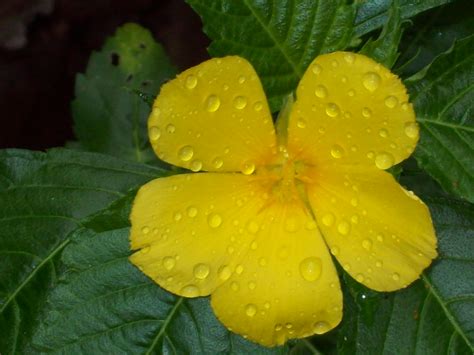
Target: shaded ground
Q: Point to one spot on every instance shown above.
(37, 81)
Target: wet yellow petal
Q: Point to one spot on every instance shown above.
(380, 233)
(286, 285)
(213, 117)
(351, 110)
(191, 229)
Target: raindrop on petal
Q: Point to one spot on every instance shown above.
(212, 103)
(186, 153)
(310, 268)
(201, 271)
(371, 81)
(214, 220)
(384, 160)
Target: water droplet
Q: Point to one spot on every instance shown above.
(311, 225)
(367, 244)
(355, 219)
(337, 151)
(239, 269)
(192, 211)
(371, 81)
(351, 93)
(316, 69)
(395, 276)
(224, 272)
(278, 327)
(186, 153)
(321, 327)
(212, 103)
(267, 305)
(254, 246)
(191, 82)
(379, 263)
(257, 106)
(301, 123)
(241, 79)
(230, 250)
(214, 220)
(155, 133)
(288, 325)
(252, 285)
(146, 250)
(344, 228)
(360, 278)
(201, 271)
(380, 237)
(170, 128)
(234, 286)
(177, 216)
(146, 230)
(354, 202)
(366, 112)
(321, 91)
(262, 262)
(391, 101)
(332, 110)
(383, 133)
(310, 268)
(190, 291)
(240, 102)
(334, 250)
(169, 262)
(334, 63)
(349, 58)
(217, 163)
(370, 155)
(328, 219)
(384, 160)
(248, 168)
(411, 130)
(196, 165)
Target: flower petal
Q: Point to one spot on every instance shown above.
(213, 117)
(380, 233)
(351, 110)
(191, 229)
(286, 285)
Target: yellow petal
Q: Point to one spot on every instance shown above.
(351, 110)
(379, 232)
(213, 117)
(192, 229)
(286, 285)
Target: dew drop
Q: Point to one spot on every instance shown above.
(248, 168)
(257, 106)
(411, 130)
(178, 216)
(351, 93)
(212, 103)
(254, 246)
(370, 155)
(344, 228)
(224, 272)
(217, 163)
(384, 160)
(146, 250)
(383, 133)
(328, 219)
(252, 285)
(371, 81)
(334, 250)
(332, 110)
(310, 268)
(360, 278)
(234, 286)
(170, 128)
(253, 227)
(395, 276)
(191, 82)
(196, 165)
(355, 219)
(169, 262)
(190, 291)
(241, 79)
(366, 112)
(337, 151)
(354, 202)
(391, 101)
(311, 225)
(186, 153)
(192, 211)
(380, 237)
(379, 263)
(155, 133)
(262, 262)
(321, 327)
(214, 220)
(349, 58)
(367, 244)
(250, 310)
(301, 123)
(240, 102)
(239, 269)
(316, 69)
(321, 91)
(201, 271)
(146, 230)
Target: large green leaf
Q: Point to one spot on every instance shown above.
(44, 197)
(443, 95)
(109, 115)
(374, 13)
(433, 316)
(104, 304)
(280, 38)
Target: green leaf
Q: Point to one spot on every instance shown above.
(109, 115)
(104, 304)
(44, 197)
(385, 49)
(373, 14)
(280, 38)
(434, 315)
(443, 95)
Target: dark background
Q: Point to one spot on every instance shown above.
(37, 69)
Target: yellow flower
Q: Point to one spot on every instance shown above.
(255, 231)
